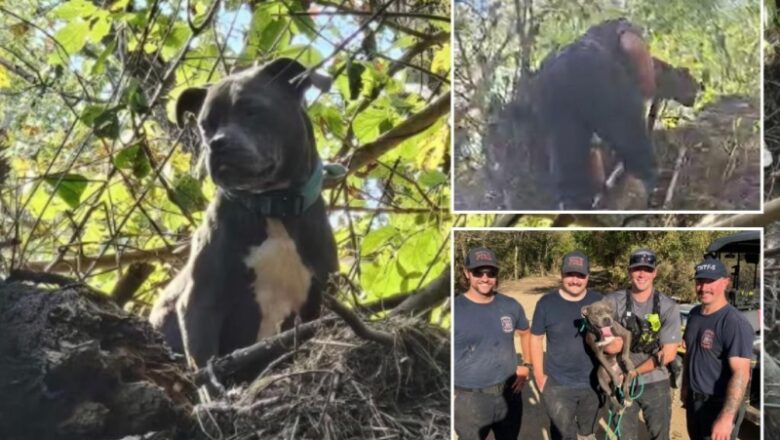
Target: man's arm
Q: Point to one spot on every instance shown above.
(684, 386)
(522, 372)
(525, 343)
(636, 49)
(735, 394)
(537, 359)
(668, 352)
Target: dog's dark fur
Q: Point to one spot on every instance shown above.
(601, 314)
(249, 275)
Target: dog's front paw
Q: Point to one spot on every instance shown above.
(606, 341)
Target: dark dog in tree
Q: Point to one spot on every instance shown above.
(262, 256)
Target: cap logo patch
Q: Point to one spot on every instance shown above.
(706, 267)
(576, 261)
(482, 256)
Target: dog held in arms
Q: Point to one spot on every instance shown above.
(262, 256)
(601, 329)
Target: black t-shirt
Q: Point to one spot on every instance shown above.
(484, 340)
(710, 341)
(568, 361)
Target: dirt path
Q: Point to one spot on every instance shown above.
(527, 292)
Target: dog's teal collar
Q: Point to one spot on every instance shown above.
(283, 203)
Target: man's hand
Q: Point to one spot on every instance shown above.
(721, 430)
(540, 380)
(520, 379)
(614, 347)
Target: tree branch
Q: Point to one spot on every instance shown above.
(414, 125)
(771, 214)
(356, 324)
(107, 261)
(132, 280)
(427, 297)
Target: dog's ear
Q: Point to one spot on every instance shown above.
(295, 76)
(190, 100)
(584, 311)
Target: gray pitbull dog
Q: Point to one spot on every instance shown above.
(602, 329)
(262, 257)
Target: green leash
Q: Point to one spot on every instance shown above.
(637, 381)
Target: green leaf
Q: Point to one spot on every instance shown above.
(100, 64)
(90, 113)
(101, 25)
(302, 23)
(70, 189)
(119, 5)
(373, 121)
(304, 53)
(134, 158)
(135, 98)
(188, 194)
(432, 178)
(175, 40)
(104, 121)
(417, 253)
(441, 60)
(330, 115)
(376, 239)
(73, 36)
(269, 23)
(106, 125)
(74, 9)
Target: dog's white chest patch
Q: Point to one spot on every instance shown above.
(281, 282)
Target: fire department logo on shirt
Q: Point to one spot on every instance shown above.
(506, 324)
(706, 339)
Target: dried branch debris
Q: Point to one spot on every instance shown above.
(74, 365)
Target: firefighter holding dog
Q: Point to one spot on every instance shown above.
(654, 321)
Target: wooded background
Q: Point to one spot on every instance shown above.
(498, 47)
(499, 44)
(538, 253)
(98, 184)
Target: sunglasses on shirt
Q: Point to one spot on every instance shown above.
(478, 273)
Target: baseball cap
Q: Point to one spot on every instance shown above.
(642, 258)
(576, 262)
(711, 269)
(481, 257)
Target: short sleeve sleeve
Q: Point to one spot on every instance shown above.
(521, 323)
(737, 337)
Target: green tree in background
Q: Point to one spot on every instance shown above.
(539, 253)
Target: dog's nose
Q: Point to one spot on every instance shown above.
(218, 142)
(607, 321)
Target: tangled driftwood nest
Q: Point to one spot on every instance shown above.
(73, 365)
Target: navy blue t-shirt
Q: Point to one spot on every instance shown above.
(710, 341)
(568, 360)
(484, 340)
